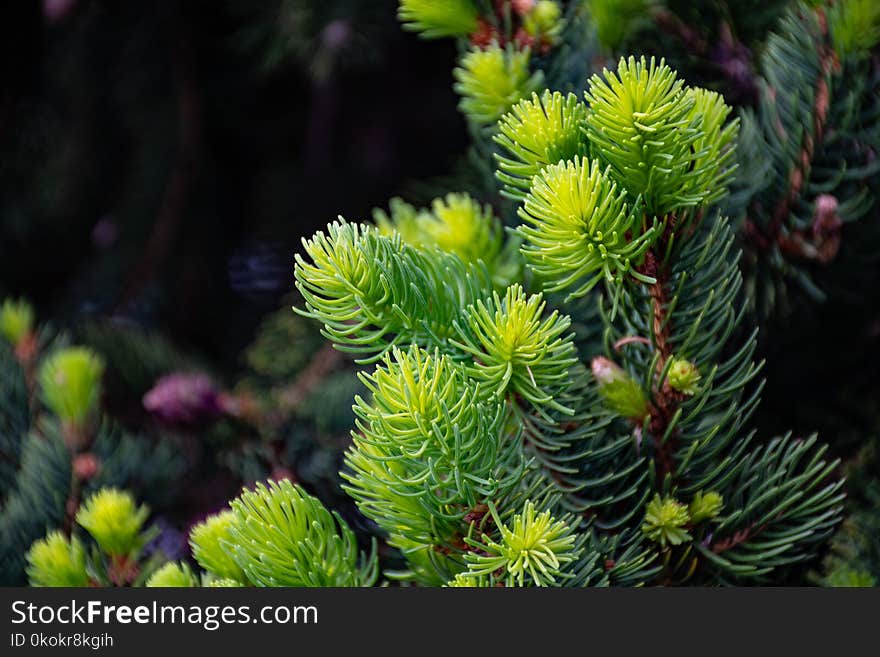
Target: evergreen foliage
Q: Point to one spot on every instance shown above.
(58, 452)
(113, 520)
(70, 382)
(554, 369)
(278, 535)
(439, 18)
(810, 139)
(490, 81)
(472, 449)
(114, 554)
(57, 561)
(172, 575)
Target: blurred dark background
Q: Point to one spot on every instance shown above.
(161, 160)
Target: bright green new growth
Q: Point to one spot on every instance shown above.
(621, 393)
(468, 581)
(665, 143)
(665, 521)
(114, 520)
(544, 21)
(438, 18)
(16, 320)
(848, 578)
(537, 132)
(173, 575)
(534, 551)
(580, 229)
(282, 536)
(426, 451)
(404, 219)
(517, 351)
(210, 541)
(461, 226)
(455, 223)
(57, 561)
(70, 381)
(713, 165)
(373, 291)
(490, 81)
(482, 432)
(224, 583)
(705, 506)
(854, 27)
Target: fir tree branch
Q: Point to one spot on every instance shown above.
(793, 243)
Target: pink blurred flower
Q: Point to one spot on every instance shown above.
(185, 400)
(57, 10)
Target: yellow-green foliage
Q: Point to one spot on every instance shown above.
(490, 81)
(114, 520)
(57, 561)
(577, 225)
(665, 521)
(16, 319)
(517, 350)
(70, 382)
(854, 27)
(455, 223)
(173, 575)
(438, 18)
(538, 131)
(533, 551)
(210, 541)
(281, 536)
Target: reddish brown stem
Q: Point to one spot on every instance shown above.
(629, 340)
(665, 400)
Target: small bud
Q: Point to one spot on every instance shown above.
(683, 376)
(70, 380)
(665, 519)
(706, 506)
(184, 400)
(522, 7)
(543, 19)
(827, 227)
(605, 370)
(621, 392)
(114, 520)
(468, 581)
(16, 320)
(86, 466)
